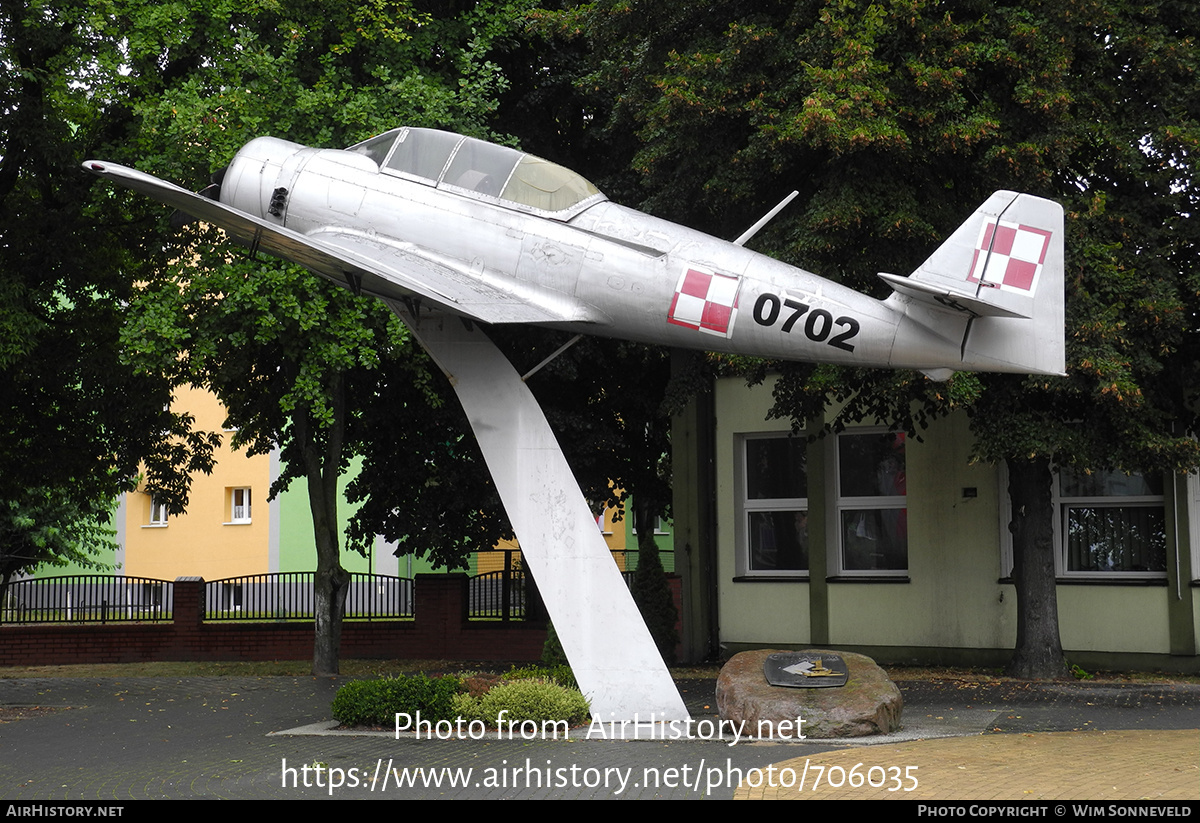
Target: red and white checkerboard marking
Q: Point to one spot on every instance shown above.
(705, 301)
(1016, 258)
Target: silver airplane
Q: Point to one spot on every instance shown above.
(435, 223)
(449, 223)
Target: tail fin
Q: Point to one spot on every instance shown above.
(1003, 268)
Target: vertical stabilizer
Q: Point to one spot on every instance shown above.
(1003, 270)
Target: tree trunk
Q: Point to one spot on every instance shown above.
(650, 589)
(329, 595)
(322, 464)
(1039, 653)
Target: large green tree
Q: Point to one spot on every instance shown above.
(895, 119)
(300, 364)
(79, 426)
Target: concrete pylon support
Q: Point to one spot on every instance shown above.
(605, 639)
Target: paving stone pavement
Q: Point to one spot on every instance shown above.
(118, 739)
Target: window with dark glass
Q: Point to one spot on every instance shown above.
(872, 502)
(1111, 522)
(775, 504)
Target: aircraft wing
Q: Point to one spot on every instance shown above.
(383, 268)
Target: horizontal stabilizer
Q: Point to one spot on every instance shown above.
(949, 298)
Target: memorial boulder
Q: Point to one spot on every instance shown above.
(869, 702)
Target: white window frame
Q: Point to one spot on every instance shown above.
(1191, 500)
(660, 526)
(158, 513)
(846, 504)
(1062, 504)
(748, 506)
(239, 513)
(1062, 507)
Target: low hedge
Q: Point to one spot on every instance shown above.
(376, 702)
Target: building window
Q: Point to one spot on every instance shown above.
(1110, 522)
(661, 527)
(872, 512)
(158, 511)
(773, 498)
(239, 505)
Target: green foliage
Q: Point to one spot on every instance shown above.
(45, 527)
(302, 365)
(536, 700)
(1080, 674)
(376, 702)
(651, 592)
(78, 422)
(552, 650)
(560, 673)
(894, 121)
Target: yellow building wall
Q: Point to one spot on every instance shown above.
(204, 542)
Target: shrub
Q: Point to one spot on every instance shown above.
(376, 702)
(467, 707)
(552, 650)
(533, 700)
(560, 674)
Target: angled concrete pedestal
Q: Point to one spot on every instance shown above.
(605, 639)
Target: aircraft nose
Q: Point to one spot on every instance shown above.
(252, 181)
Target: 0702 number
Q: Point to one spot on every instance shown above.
(818, 326)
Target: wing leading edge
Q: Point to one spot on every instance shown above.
(383, 268)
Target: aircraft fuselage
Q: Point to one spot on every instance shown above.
(633, 276)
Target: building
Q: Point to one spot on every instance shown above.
(231, 529)
(868, 541)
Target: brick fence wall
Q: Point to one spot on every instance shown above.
(441, 630)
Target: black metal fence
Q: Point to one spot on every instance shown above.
(505, 594)
(87, 598)
(289, 596)
(496, 596)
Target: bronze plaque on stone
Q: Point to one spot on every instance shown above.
(800, 670)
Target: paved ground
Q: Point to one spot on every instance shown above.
(236, 737)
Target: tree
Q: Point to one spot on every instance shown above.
(300, 364)
(293, 359)
(80, 427)
(46, 528)
(893, 121)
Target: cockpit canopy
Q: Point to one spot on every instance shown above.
(498, 173)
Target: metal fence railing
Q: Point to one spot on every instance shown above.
(289, 596)
(87, 598)
(498, 595)
(506, 594)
